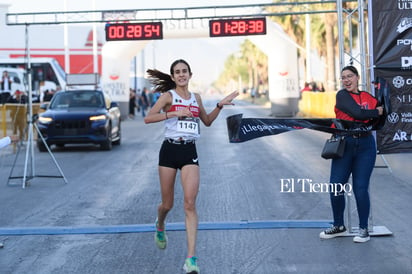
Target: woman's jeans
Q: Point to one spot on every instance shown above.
(358, 160)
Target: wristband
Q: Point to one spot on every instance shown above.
(219, 107)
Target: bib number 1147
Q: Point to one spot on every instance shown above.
(188, 126)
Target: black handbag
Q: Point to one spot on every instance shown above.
(334, 147)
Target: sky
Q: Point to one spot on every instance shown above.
(206, 67)
(57, 5)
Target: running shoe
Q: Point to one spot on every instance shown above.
(160, 237)
(363, 236)
(190, 266)
(333, 232)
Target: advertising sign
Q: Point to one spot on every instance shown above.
(392, 61)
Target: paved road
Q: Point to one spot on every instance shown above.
(79, 227)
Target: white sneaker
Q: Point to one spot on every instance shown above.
(333, 232)
(362, 237)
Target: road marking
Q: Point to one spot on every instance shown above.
(138, 228)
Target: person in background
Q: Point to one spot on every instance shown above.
(47, 95)
(321, 87)
(151, 99)
(143, 102)
(307, 87)
(181, 111)
(156, 96)
(5, 87)
(19, 97)
(314, 86)
(359, 156)
(18, 114)
(132, 103)
(253, 94)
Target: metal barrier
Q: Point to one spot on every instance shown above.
(14, 119)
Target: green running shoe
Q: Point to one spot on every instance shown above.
(160, 237)
(190, 266)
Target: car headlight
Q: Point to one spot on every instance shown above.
(45, 120)
(97, 118)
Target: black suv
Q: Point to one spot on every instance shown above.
(80, 117)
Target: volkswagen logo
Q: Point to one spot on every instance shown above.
(393, 118)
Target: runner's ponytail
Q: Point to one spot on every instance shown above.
(162, 82)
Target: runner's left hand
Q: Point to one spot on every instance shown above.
(228, 99)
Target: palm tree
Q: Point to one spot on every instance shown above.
(324, 39)
(331, 44)
(250, 65)
(235, 68)
(257, 64)
(323, 33)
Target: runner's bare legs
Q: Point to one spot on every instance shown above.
(190, 183)
(167, 177)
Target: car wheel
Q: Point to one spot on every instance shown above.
(119, 137)
(107, 144)
(41, 146)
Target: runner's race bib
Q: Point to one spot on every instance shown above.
(188, 125)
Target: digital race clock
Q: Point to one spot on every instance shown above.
(134, 31)
(237, 27)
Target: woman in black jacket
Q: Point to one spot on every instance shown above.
(359, 157)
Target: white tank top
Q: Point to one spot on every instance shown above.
(187, 129)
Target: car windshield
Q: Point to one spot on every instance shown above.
(77, 99)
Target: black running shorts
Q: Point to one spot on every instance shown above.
(178, 155)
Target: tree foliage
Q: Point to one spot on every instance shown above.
(251, 65)
(249, 68)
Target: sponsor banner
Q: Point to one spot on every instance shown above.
(392, 61)
(392, 33)
(245, 129)
(396, 135)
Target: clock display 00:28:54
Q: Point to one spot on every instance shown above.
(134, 31)
(237, 27)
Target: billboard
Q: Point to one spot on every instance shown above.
(391, 28)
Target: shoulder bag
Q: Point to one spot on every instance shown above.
(334, 147)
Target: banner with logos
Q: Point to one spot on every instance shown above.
(396, 135)
(392, 61)
(392, 34)
(245, 129)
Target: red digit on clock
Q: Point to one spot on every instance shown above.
(147, 32)
(259, 26)
(137, 31)
(129, 31)
(156, 30)
(116, 32)
(252, 26)
(228, 27)
(235, 27)
(242, 27)
(216, 28)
